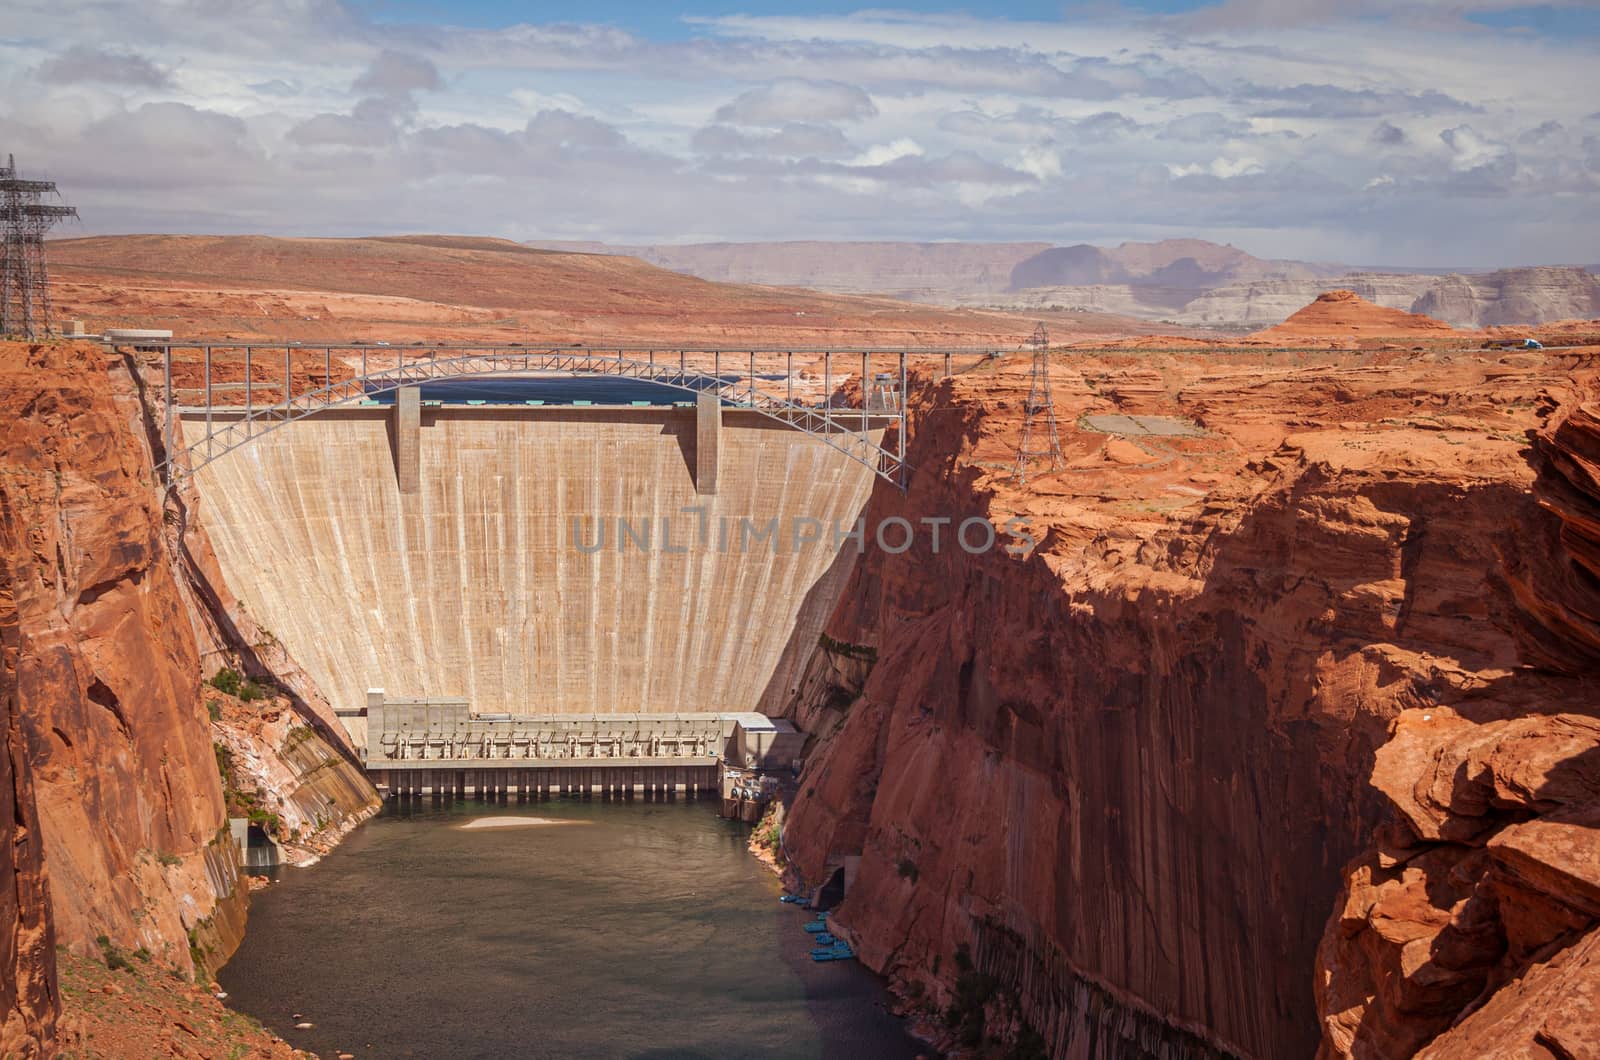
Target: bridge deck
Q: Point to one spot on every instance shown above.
(747, 378)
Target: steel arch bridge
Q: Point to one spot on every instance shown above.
(232, 424)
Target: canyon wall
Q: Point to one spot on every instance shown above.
(493, 581)
(115, 816)
(1102, 794)
(1513, 296)
(1471, 927)
(1268, 302)
(117, 744)
(29, 1001)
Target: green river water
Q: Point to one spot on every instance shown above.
(639, 929)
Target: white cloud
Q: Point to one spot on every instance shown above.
(883, 154)
(795, 140)
(1221, 168)
(797, 100)
(1471, 150)
(1042, 162)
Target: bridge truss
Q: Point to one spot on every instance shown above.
(231, 371)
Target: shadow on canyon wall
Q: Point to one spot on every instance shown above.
(1153, 784)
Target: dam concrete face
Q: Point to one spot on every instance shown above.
(545, 563)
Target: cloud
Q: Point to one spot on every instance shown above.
(1220, 168)
(275, 87)
(1041, 163)
(966, 167)
(563, 129)
(1369, 138)
(1547, 132)
(1334, 101)
(82, 63)
(1387, 135)
(172, 129)
(1034, 125)
(1028, 124)
(395, 73)
(797, 140)
(1471, 150)
(342, 130)
(1206, 127)
(1272, 14)
(797, 100)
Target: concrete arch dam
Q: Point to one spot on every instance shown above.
(539, 587)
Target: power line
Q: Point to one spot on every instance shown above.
(1039, 438)
(24, 279)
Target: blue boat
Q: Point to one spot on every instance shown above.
(824, 939)
(816, 926)
(839, 953)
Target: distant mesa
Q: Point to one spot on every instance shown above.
(1187, 282)
(1342, 314)
(1192, 265)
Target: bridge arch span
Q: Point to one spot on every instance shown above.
(849, 429)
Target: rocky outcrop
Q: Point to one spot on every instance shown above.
(1471, 929)
(1343, 314)
(285, 776)
(1102, 793)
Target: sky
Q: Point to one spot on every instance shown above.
(1423, 134)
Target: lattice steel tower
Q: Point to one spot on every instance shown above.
(24, 282)
(1039, 437)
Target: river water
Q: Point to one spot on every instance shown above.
(640, 929)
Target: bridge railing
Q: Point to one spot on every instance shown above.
(742, 379)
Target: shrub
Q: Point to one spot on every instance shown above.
(113, 956)
(227, 680)
(214, 708)
(268, 822)
(966, 1016)
(168, 858)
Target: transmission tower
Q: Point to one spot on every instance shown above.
(24, 282)
(1039, 437)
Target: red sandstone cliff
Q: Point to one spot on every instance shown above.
(111, 800)
(28, 998)
(115, 737)
(1107, 791)
(1472, 927)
